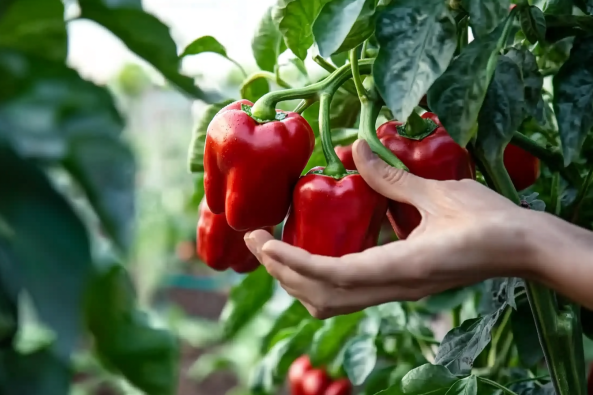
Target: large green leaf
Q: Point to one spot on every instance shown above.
(146, 36)
(573, 97)
(502, 111)
(533, 82)
(428, 379)
(457, 95)
(38, 373)
(335, 22)
(56, 271)
(466, 386)
(295, 19)
(533, 24)
(195, 155)
(486, 15)
(124, 340)
(360, 358)
(462, 345)
(363, 27)
(202, 45)
(331, 337)
(417, 41)
(254, 88)
(267, 43)
(80, 127)
(35, 26)
(246, 300)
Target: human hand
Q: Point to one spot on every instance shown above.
(468, 233)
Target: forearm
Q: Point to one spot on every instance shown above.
(562, 257)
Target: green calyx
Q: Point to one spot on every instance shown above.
(278, 116)
(417, 128)
(338, 176)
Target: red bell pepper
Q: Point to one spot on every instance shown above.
(345, 155)
(220, 246)
(523, 168)
(334, 217)
(251, 168)
(430, 153)
(304, 379)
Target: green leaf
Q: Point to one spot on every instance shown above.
(502, 111)
(202, 45)
(295, 19)
(331, 337)
(428, 379)
(466, 386)
(524, 335)
(246, 300)
(447, 300)
(360, 358)
(148, 38)
(363, 27)
(124, 340)
(384, 378)
(291, 317)
(344, 111)
(106, 170)
(40, 373)
(267, 43)
(558, 7)
(562, 26)
(38, 216)
(485, 15)
(334, 23)
(533, 82)
(533, 24)
(198, 143)
(417, 41)
(273, 368)
(462, 345)
(340, 59)
(573, 97)
(35, 26)
(254, 88)
(457, 95)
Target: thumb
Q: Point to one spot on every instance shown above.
(395, 184)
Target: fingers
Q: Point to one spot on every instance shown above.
(396, 184)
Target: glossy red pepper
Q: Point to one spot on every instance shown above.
(345, 155)
(436, 156)
(334, 217)
(251, 168)
(523, 168)
(220, 246)
(304, 379)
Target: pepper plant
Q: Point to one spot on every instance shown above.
(510, 88)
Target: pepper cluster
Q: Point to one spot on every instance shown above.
(304, 379)
(254, 157)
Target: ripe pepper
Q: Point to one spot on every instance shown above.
(523, 168)
(220, 246)
(251, 167)
(426, 148)
(304, 379)
(334, 217)
(345, 155)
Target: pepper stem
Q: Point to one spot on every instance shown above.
(415, 125)
(334, 167)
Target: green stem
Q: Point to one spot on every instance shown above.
(498, 175)
(348, 85)
(581, 196)
(496, 385)
(462, 35)
(502, 329)
(303, 105)
(269, 76)
(369, 112)
(553, 160)
(363, 52)
(239, 66)
(265, 107)
(528, 379)
(415, 125)
(549, 72)
(334, 167)
(456, 316)
(555, 195)
(362, 93)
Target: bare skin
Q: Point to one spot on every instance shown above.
(468, 234)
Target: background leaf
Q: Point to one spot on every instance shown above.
(360, 358)
(573, 95)
(254, 88)
(267, 43)
(334, 23)
(485, 15)
(533, 24)
(533, 82)
(331, 337)
(417, 41)
(523, 325)
(291, 317)
(428, 379)
(202, 45)
(295, 19)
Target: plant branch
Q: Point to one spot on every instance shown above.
(362, 93)
(348, 85)
(496, 385)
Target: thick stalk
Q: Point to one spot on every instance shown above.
(348, 85)
(334, 167)
(265, 107)
(554, 341)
